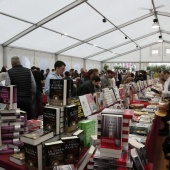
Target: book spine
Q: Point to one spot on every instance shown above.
(16, 127)
(9, 151)
(10, 135)
(10, 141)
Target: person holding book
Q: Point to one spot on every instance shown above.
(59, 67)
(26, 87)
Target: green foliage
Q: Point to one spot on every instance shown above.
(117, 67)
(105, 67)
(156, 68)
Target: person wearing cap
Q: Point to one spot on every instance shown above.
(165, 75)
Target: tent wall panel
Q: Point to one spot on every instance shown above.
(26, 56)
(44, 60)
(90, 64)
(166, 56)
(66, 60)
(77, 63)
(1, 57)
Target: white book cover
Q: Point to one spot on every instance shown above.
(116, 92)
(93, 117)
(85, 106)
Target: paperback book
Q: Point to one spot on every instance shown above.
(18, 158)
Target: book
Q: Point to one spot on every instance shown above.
(76, 101)
(80, 134)
(116, 92)
(91, 102)
(33, 156)
(72, 149)
(10, 135)
(93, 117)
(10, 141)
(99, 100)
(18, 158)
(9, 151)
(36, 137)
(89, 129)
(66, 167)
(10, 112)
(70, 118)
(85, 106)
(8, 96)
(53, 154)
(16, 145)
(60, 92)
(111, 133)
(51, 119)
(136, 159)
(3, 146)
(85, 159)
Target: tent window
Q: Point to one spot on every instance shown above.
(167, 51)
(155, 51)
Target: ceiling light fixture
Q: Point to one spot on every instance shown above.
(137, 46)
(160, 39)
(155, 23)
(104, 20)
(126, 37)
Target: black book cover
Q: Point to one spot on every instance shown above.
(54, 155)
(51, 119)
(76, 101)
(81, 136)
(31, 156)
(72, 147)
(70, 118)
(60, 92)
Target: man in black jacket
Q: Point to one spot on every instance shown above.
(22, 77)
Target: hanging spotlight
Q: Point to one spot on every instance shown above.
(160, 39)
(104, 20)
(137, 46)
(155, 23)
(126, 37)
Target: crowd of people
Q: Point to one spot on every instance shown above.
(32, 83)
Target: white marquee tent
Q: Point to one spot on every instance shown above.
(84, 33)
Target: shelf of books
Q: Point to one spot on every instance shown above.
(106, 130)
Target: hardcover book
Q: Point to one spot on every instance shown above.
(54, 154)
(60, 92)
(76, 101)
(18, 158)
(66, 167)
(72, 149)
(9, 151)
(10, 135)
(33, 157)
(91, 102)
(70, 118)
(8, 96)
(51, 119)
(99, 100)
(36, 137)
(116, 92)
(111, 133)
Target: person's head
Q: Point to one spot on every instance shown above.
(47, 70)
(165, 74)
(96, 72)
(15, 61)
(38, 69)
(90, 74)
(67, 74)
(33, 68)
(3, 69)
(82, 70)
(96, 80)
(59, 67)
(109, 73)
(52, 70)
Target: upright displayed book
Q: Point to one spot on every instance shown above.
(18, 158)
(60, 92)
(111, 133)
(70, 118)
(33, 156)
(99, 100)
(117, 94)
(8, 96)
(91, 102)
(51, 119)
(76, 101)
(53, 154)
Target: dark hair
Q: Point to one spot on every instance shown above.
(67, 73)
(59, 64)
(3, 69)
(166, 72)
(90, 72)
(47, 69)
(109, 71)
(96, 79)
(33, 68)
(38, 68)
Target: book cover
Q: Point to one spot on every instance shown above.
(116, 92)
(80, 134)
(111, 131)
(54, 154)
(84, 103)
(70, 118)
(89, 129)
(33, 156)
(66, 167)
(93, 117)
(99, 100)
(18, 158)
(36, 137)
(91, 102)
(60, 92)
(76, 101)
(72, 149)
(51, 119)
(16, 145)
(8, 96)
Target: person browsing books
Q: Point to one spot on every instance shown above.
(59, 67)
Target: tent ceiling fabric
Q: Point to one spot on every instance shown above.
(80, 31)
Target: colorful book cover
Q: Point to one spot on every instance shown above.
(8, 96)
(99, 100)
(70, 118)
(111, 131)
(91, 102)
(76, 101)
(54, 154)
(60, 92)
(51, 119)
